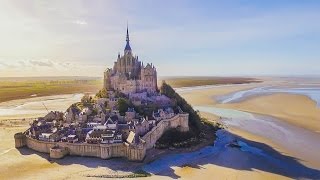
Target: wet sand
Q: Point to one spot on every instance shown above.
(254, 160)
(219, 162)
(271, 157)
(37, 106)
(206, 96)
(296, 110)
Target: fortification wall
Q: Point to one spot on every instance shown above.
(58, 152)
(40, 146)
(136, 153)
(20, 140)
(179, 121)
(104, 151)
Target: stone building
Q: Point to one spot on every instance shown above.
(98, 129)
(129, 75)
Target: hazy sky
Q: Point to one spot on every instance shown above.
(62, 38)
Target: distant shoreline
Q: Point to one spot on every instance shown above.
(182, 82)
(13, 88)
(27, 88)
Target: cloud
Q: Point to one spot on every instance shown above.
(42, 63)
(48, 68)
(80, 22)
(27, 64)
(201, 35)
(9, 65)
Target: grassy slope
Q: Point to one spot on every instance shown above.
(200, 129)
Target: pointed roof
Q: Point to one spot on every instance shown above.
(109, 121)
(128, 48)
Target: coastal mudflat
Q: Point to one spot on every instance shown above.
(36, 106)
(257, 157)
(297, 112)
(294, 109)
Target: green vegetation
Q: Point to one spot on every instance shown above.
(200, 128)
(19, 88)
(176, 139)
(146, 110)
(201, 81)
(137, 174)
(87, 100)
(102, 93)
(123, 105)
(194, 117)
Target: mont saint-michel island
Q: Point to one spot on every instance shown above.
(124, 119)
(159, 90)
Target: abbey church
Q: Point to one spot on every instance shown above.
(101, 128)
(129, 75)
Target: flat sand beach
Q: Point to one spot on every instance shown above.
(296, 110)
(260, 157)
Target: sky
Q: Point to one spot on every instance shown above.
(181, 38)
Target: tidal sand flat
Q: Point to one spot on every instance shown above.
(290, 137)
(268, 149)
(289, 119)
(205, 95)
(299, 106)
(36, 107)
(253, 160)
(294, 109)
(311, 92)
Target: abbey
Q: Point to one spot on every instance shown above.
(110, 124)
(129, 75)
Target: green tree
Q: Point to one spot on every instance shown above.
(123, 105)
(102, 93)
(86, 100)
(194, 118)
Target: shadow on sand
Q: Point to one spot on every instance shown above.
(115, 164)
(254, 155)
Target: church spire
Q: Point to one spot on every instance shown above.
(127, 49)
(127, 39)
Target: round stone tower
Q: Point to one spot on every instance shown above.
(20, 140)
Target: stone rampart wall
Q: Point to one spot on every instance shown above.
(106, 151)
(179, 121)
